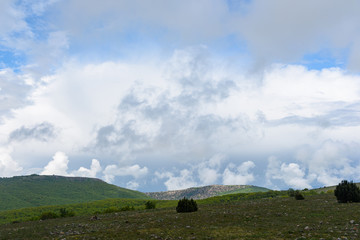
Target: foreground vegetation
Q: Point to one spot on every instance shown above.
(319, 216)
(118, 205)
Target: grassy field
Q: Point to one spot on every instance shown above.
(317, 217)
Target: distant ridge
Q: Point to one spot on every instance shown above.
(40, 190)
(205, 192)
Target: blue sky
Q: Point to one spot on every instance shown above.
(174, 94)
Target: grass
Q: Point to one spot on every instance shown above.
(317, 217)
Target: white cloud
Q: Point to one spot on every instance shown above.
(85, 172)
(240, 175)
(189, 108)
(12, 19)
(132, 185)
(290, 173)
(135, 171)
(182, 181)
(293, 176)
(208, 176)
(284, 31)
(8, 166)
(331, 162)
(57, 166)
(208, 171)
(14, 91)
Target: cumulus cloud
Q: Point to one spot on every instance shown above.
(208, 171)
(331, 162)
(239, 175)
(135, 171)
(8, 166)
(95, 168)
(57, 166)
(179, 118)
(182, 181)
(290, 173)
(184, 105)
(325, 164)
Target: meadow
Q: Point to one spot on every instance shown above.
(269, 215)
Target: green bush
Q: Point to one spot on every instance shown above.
(299, 196)
(48, 215)
(127, 208)
(66, 213)
(347, 192)
(186, 205)
(150, 205)
(111, 210)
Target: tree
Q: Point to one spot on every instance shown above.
(347, 192)
(150, 205)
(186, 205)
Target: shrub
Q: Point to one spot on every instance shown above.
(291, 192)
(347, 192)
(127, 208)
(48, 215)
(299, 196)
(186, 205)
(111, 210)
(66, 213)
(150, 205)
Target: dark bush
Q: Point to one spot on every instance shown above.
(186, 205)
(150, 205)
(48, 215)
(347, 192)
(298, 195)
(66, 213)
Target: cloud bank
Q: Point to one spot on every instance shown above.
(171, 94)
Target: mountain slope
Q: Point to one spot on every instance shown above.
(205, 192)
(35, 190)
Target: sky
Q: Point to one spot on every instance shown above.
(164, 95)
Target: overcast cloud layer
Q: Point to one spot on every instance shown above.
(162, 95)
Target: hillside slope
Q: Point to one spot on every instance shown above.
(35, 190)
(205, 192)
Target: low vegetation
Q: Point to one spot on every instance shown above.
(319, 216)
(258, 215)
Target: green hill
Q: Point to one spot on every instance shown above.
(35, 190)
(205, 192)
